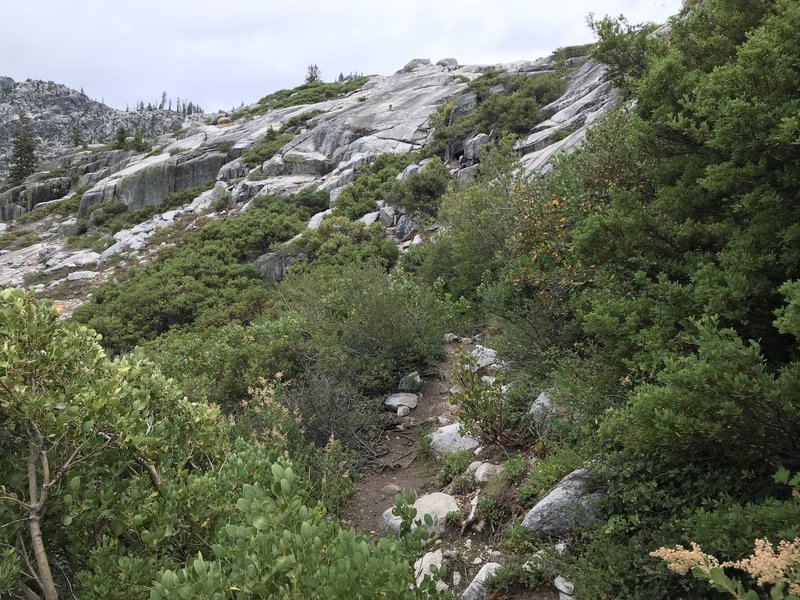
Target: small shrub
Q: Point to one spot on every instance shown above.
(547, 472)
(482, 407)
(453, 465)
(373, 183)
(514, 468)
(519, 540)
(268, 147)
(421, 192)
(514, 577)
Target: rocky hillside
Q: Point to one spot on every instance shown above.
(263, 152)
(58, 114)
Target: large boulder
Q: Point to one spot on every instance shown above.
(477, 589)
(542, 410)
(465, 175)
(274, 266)
(572, 505)
(395, 401)
(449, 439)
(406, 227)
(416, 62)
(438, 505)
(464, 105)
(448, 63)
(410, 383)
(317, 219)
(476, 146)
(484, 357)
(306, 163)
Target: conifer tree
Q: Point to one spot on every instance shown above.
(314, 74)
(23, 153)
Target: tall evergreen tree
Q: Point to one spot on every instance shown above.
(23, 153)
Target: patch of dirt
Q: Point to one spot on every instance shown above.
(399, 466)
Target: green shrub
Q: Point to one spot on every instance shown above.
(419, 194)
(202, 283)
(338, 241)
(268, 147)
(547, 472)
(308, 93)
(453, 465)
(372, 183)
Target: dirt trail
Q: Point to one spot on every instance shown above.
(399, 466)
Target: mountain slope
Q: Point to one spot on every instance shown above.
(59, 114)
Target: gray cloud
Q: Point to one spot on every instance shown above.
(219, 54)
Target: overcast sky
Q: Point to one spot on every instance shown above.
(219, 54)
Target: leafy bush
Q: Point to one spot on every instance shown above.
(309, 93)
(203, 283)
(338, 241)
(268, 147)
(516, 110)
(420, 193)
(372, 184)
(453, 465)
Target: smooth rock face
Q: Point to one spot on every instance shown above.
(476, 146)
(564, 586)
(403, 411)
(566, 509)
(395, 401)
(448, 63)
(477, 589)
(438, 505)
(370, 218)
(416, 62)
(542, 410)
(484, 356)
(79, 275)
(316, 220)
(448, 439)
(485, 472)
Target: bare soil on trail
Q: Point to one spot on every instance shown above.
(400, 465)
(401, 469)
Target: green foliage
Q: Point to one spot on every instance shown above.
(420, 193)
(313, 74)
(547, 472)
(372, 184)
(482, 406)
(376, 327)
(266, 148)
(516, 110)
(200, 284)
(280, 548)
(338, 242)
(624, 48)
(476, 227)
(453, 465)
(514, 577)
(519, 540)
(308, 93)
(23, 153)
(136, 480)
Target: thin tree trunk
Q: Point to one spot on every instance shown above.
(43, 566)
